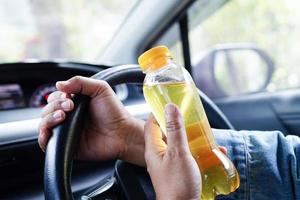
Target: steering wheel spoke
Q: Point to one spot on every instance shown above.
(105, 189)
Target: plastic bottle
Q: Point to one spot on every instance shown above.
(167, 82)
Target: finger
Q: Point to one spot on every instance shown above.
(46, 124)
(83, 85)
(58, 104)
(43, 138)
(154, 143)
(223, 149)
(57, 95)
(176, 136)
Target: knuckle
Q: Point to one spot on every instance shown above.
(70, 102)
(62, 113)
(172, 153)
(102, 87)
(41, 125)
(173, 126)
(76, 79)
(51, 95)
(177, 153)
(104, 84)
(50, 107)
(48, 120)
(55, 105)
(54, 95)
(51, 121)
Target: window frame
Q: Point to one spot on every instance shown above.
(182, 19)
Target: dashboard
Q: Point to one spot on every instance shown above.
(28, 85)
(12, 96)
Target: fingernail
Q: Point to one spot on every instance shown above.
(57, 115)
(60, 83)
(170, 110)
(66, 105)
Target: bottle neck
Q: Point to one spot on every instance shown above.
(158, 63)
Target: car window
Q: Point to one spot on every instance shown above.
(241, 46)
(247, 41)
(75, 30)
(171, 38)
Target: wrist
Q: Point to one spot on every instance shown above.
(134, 144)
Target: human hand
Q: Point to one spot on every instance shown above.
(174, 172)
(109, 131)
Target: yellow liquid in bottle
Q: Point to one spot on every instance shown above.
(219, 175)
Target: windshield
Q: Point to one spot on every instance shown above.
(75, 30)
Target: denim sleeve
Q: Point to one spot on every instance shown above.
(268, 164)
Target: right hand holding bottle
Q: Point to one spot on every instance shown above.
(173, 170)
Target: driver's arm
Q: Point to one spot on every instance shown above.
(268, 163)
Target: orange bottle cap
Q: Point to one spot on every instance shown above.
(149, 58)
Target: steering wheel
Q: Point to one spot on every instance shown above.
(65, 138)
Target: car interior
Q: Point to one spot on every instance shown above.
(242, 56)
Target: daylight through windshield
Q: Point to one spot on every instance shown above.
(61, 29)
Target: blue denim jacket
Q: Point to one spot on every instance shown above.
(268, 164)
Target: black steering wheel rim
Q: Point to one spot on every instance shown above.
(64, 141)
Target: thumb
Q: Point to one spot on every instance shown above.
(83, 85)
(176, 135)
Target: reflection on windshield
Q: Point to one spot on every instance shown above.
(58, 29)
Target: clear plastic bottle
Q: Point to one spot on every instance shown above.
(167, 82)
